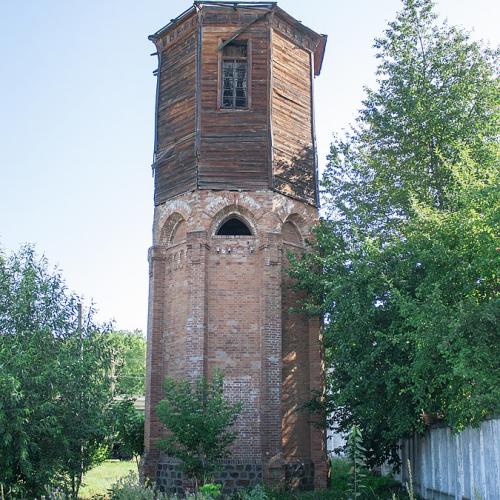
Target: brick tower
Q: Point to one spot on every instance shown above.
(235, 191)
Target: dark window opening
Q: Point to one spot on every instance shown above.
(235, 75)
(234, 227)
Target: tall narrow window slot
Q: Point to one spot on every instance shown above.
(235, 75)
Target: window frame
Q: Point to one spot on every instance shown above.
(220, 77)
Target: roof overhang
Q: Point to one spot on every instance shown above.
(173, 22)
(320, 40)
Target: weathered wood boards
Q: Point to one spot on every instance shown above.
(175, 162)
(234, 143)
(269, 145)
(293, 147)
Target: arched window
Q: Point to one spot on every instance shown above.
(234, 227)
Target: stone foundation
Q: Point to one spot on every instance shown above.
(236, 475)
(169, 477)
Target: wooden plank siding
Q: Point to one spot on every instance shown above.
(175, 165)
(234, 143)
(293, 145)
(269, 145)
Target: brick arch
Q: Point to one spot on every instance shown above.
(237, 211)
(179, 232)
(284, 207)
(251, 204)
(242, 200)
(291, 233)
(170, 227)
(299, 224)
(262, 216)
(164, 216)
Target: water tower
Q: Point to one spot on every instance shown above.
(235, 177)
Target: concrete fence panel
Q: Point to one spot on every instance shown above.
(463, 466)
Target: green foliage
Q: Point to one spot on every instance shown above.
(129, 488)
(200, 421)
(129, 362)
(356, 453)
(85, 404)
(412, 319)
(258, 492)
(376, 487)
(54, 389)
(211, 490)
(405, 268)
(340, 475)
(128, 424)
(437, 94)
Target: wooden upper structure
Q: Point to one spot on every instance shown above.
(220, 128)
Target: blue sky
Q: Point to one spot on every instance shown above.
(76, 125)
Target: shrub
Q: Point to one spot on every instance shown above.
(255, 493)
(211, 490)
(129, 488)
(200, 420)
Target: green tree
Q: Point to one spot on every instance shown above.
(200, 420)
(55, 390)
(436, 93)
(85, 406)
(128, 425)
(405, 267)
(129, 362)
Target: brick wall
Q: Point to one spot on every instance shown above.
(233, 335)
(218, 301)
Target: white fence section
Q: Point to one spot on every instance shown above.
(464, 466)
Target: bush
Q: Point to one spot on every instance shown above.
(200, 421)
(256, 493)
(129, 488)
(211, 490)
(377, 487)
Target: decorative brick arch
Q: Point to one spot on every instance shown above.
(164, 215)
(291, 233)
(299, 224)
(236, 211)
(169, 228)
(284, 207)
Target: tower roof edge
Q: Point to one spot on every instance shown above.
(172, 23)
(319, 51)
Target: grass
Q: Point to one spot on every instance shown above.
(100, 478)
